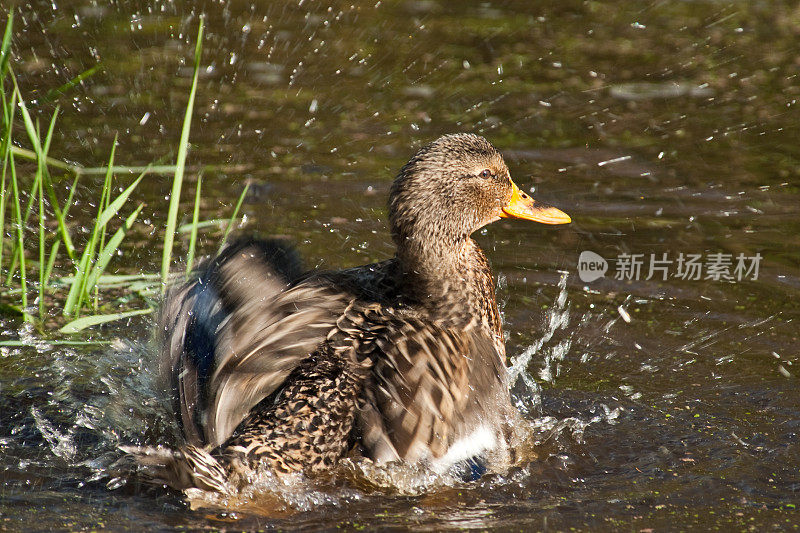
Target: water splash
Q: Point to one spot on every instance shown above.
(553, 427)
(61, 443)
(526, 392)
(274, 495)
(397, 477)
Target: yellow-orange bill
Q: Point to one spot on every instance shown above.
(523, 206)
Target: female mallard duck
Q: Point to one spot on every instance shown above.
(398, 360)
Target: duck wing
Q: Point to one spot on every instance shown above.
(431, 386)
(232, 336)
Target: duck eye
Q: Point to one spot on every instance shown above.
(486, 173)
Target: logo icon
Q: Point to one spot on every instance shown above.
(591, 266)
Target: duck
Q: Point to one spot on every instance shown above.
(274, 368)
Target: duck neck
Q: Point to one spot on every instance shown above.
(452, 281)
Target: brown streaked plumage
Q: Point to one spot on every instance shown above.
(399, 360)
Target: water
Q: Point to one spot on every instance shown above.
(660, 128)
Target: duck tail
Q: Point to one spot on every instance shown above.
(185, 468)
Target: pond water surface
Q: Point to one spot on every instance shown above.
(660, 127)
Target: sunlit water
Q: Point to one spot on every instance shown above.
(661, 128)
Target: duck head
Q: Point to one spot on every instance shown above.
(452, 187)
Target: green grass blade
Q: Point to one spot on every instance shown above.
(41, 245)
(49, 137)
(94, 320)
(31, 197)
(73, 300)
(8, 110)
(26, 120)
(15, 257)
(5, 48)
(28, 154)
(3, 197)
(20, 344)
(51, 261)
(8, 117)
(195, 218)
(114, 207)
(20, 239)
(108, 251)
(172, 217)
(233, 218)
(28, 209)
(214, 222)
(116, 281)
(105, 198)
(71, 305)
(42, 175)
(55, 93)
(123, 169)
(61, 216)
(70, 196)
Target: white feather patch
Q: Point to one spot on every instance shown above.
(474, 444)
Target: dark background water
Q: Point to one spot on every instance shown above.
(660, 127)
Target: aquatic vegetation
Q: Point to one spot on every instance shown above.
(82, 304)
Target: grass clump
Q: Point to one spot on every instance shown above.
(28, 255)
